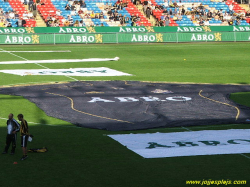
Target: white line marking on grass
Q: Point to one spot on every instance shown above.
(186, 128)
(36, 63)
(22, 58)
(58, 60)
(245, 156)
(66, 51)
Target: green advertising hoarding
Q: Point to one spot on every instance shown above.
(88, 38)
(181, 29)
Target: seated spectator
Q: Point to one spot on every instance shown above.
(133, 19)
(30, 15)
(2, 23)
(16, 14)
(76, 24)
(77, 6)
(161, 23)
(248, 14)
(20, 23)
(165, 11)
(25, 15)
(114, 7)
(209, 15)
(109, 12)
(12, 15)
(92, 15)
(175, 5)
(9, 25)
(127, 20)
(49, 21)
(167, 22)
(121, 19)
(226, 16)
(54, 23)
(171, 4)
(58, 12)
(42, 2)
(201, 23)
(179, 17)
(111, 17)
(242, 17)
(119, 5)
(67, 7)
(193, 9)
(183, 11)
(81, 23)
(107, 7)
(83, 4)
(97, 16)
(175, 17)
(230, 22)
(221, 16)
(101, 15)
(138, 17)
(157, 24)
(201, 6)
(216, 17)
(86, 16)
(6, 16)
(170, 12)
(192, 17)
(237, 22)
(71, 20)
(165, 3)
(224, 23)
(234, 16)
(125, 3)
(116, 17)
(66, 23)
(73, 7)
(206, 22)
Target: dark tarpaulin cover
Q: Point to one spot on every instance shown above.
(132, 105)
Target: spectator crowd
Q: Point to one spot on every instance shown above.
(198, 14)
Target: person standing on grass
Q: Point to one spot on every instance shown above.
(12, 128)
(24, 130)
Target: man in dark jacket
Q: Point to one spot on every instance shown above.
(12, 128)
(24, 131)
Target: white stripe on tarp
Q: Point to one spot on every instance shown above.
(67, 51)
(59, 60)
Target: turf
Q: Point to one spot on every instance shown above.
(87, 157)
(242, 98)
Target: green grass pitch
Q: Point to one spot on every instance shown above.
(87, 157)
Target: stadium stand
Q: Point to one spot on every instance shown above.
(127, 13)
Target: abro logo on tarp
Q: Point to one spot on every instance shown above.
(208, 142)
(134, 99)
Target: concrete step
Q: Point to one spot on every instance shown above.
(152, 19)
(39, 20)
(245, 6)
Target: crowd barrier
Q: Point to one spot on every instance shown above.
(86, 35)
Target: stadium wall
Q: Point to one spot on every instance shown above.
(70, 35)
